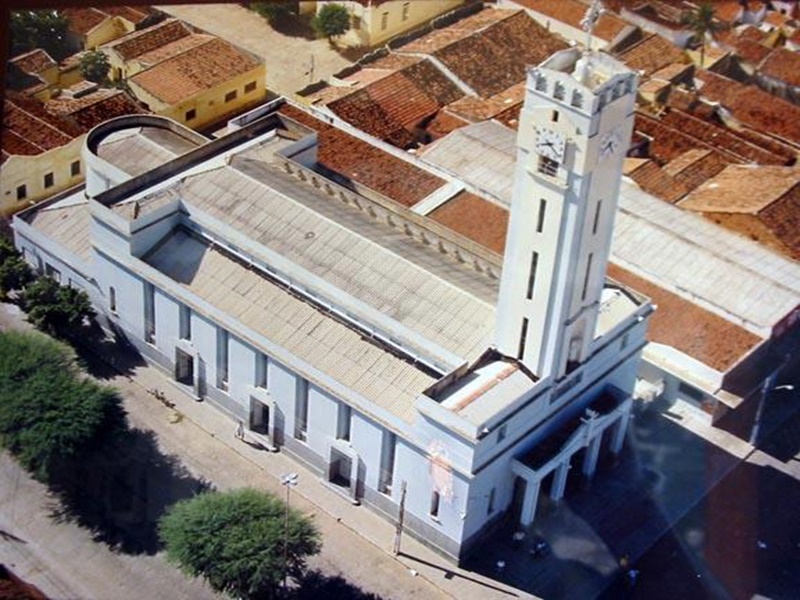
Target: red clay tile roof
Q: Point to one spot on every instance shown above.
(652, 54)
(475, 218)
(363, 163)
(139, 42)
(478, 109)
(134, 14)
(783, 65)
(33, 62)
(689, 328)
(83, 20)
(441, 38)
(495, 58)
(443, 123)
(751, 51)
(694, 167)
(179, 46)
(753, 107)
(29, 130)
(190, 73)
(392, 107)
(572, 12)
(654, 180)
(92, 109)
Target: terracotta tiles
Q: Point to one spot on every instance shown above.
(134, 14)
(572, 12)
(92, 109)
(654, 180)
(443, 123)
(83, 20)
(783, 65)
(190, 73)
(33, 62)
(475, 218)
(509, 47)
(440, 38)
(29, 130)
(694, 167)
(751, 51)
(753, 107)
(688, 327)
(179, 46)
(147, 40)
(651, 54)
(478, 109)
(359, 161)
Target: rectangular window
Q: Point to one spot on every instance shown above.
(596, 216)
(52, 272)
(435, 500)
(223, 341)
(250, 87)
(547, 166)
(690, 391)
(522, 337)
(230, 96)
(185, 323)
(149, 314)
(490, 506)
(387, 462)
(75, 168)
(406, 9)
(112, 299)
(49, 180)
(501, 434)
(344, 420)
(532, 274)
(540, 220)
(22, 192)
(624, 342)
(586, 276)
(191, 114)
(262, 371)
(301, 411)
(384, 20)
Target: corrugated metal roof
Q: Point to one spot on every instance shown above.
(302, 329)
(67, 223)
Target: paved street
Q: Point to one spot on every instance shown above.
(288, 58)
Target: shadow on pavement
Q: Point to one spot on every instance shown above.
(120, 493)
(105, 357)
(314, 585)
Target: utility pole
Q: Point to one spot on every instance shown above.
(400, 516)
(288, 480)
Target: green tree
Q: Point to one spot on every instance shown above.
(46, 29)
(275, 10)
(15, 274)
(332, 20)
(94, 66)
(58, 310)
(50, 413)
(702, 22)
(235, 540)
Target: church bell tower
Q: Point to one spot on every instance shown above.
(574, 130)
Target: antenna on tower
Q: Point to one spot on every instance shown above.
(589, 20)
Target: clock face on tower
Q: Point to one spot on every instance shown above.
(610, 143)
(550, 143)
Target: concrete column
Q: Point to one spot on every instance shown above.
(619, 432)
(590, 458)
(529, 504)
(560, 482)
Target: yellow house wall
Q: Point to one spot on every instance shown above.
(30, 171)
(119, 69)
(108, 31)
(69, 77)
(209, 106)
(371, 32)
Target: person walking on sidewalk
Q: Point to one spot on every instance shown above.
(240, 430)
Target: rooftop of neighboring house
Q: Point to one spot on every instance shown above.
(92, 107)
(179, 46)
(572, 12)
(660, 12)
(649, 176)
(146, 40)
(474, 109)
(509, 41)
(783, 65)
(188, 74)
(34, 62)
(29, 130)
(83, 19)
(652, 54)
(752, 106)
(694, 167)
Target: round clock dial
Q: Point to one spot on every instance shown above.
(610, 143)
(550, 143)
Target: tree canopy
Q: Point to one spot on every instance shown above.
(702, 21)
(95, 66)
(49, 412)
(235, 540)
(56, 309)
(332, 20)
(14, 271)
(45, 29)
(275, 10)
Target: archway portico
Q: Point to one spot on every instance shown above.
(555, 453)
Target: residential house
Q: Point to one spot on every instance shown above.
(779, 74)
(34, 73)
(90, 27)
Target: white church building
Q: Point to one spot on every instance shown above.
(377, 347)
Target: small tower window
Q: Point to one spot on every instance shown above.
(554, 116)
(577, 99)
(532, 274)
(597, 208)
(435, 498)
(586, 276)
(541, 84)
(522, 337)
(547, 166)
(540, 220)
(559, 92)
